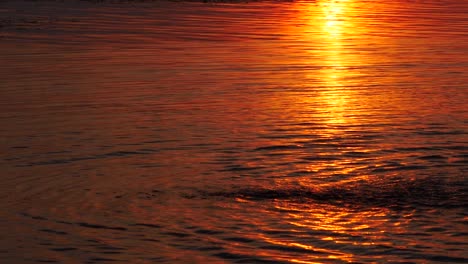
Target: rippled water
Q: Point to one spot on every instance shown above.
(328, 131)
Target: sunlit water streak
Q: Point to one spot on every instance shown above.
(263, 132)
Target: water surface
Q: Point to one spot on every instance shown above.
(257, 132)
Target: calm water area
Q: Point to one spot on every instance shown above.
(327, 131)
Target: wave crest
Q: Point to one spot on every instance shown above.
(393, 193)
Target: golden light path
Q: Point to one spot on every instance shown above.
(327, 24)
(332, 22)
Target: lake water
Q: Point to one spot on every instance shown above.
(328, 131)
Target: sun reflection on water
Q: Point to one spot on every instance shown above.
(333, 13)
(330, 100)
(329, 27)
(348, 225)
(333, 22)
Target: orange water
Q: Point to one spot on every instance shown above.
(263, 132)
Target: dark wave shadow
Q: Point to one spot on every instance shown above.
(395, 193)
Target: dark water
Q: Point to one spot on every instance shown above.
(263, 132)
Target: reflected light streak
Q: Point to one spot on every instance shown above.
(333, 73)
(333, 21)
(333, 12)
(332, 254)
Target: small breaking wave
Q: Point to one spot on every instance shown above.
(393, 193)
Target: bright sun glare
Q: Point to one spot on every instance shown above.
(333, 21)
